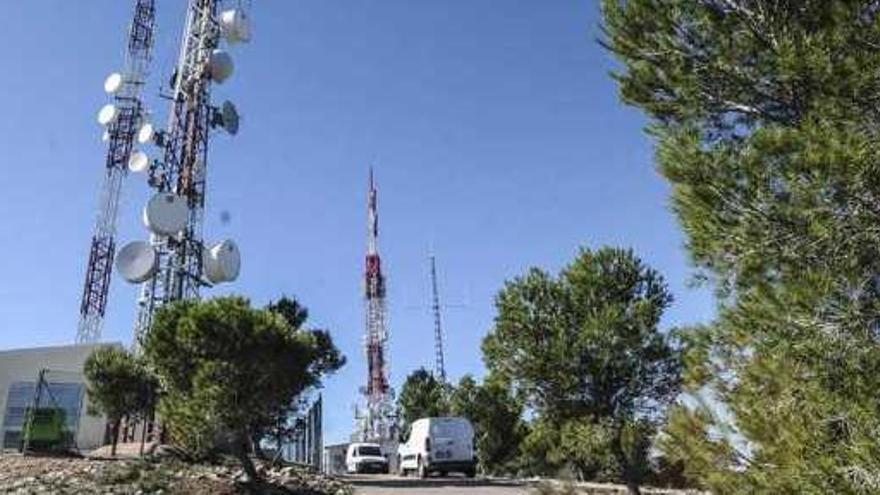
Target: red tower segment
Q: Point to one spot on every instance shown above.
(378, 422)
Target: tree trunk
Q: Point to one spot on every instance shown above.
(243, 454)
(631, 475)
(116, 424)
(144, 424)
(632, 487)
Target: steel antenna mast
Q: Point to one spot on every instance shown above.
(182, 170)
(129, 112)
(378, 423)
(439, 362)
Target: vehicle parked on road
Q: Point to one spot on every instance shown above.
(440, 445)
(365, 458)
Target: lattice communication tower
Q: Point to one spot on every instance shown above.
(125, 115)
(183, 261)
(377, 422)
(439, 357)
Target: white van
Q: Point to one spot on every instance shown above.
(365, 458)
(440, 445)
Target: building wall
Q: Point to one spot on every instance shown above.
(64, 365)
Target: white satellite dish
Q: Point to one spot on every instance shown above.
(222, 262)
(220, 65)
(138, 161)
(227, 118)
(113, 83)
(211, 267)
(107, 115)
(235, 26)
(166, 214)
(137, 262)
(145, 133)
(106, 136)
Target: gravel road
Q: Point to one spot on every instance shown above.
(395, 485)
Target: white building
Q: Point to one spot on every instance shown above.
(62, 371)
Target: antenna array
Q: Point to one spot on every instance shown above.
(121, 118)
(175, 264)
(183, 264)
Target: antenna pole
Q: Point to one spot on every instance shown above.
(183, 168)
(439, 363)
(121, 135)
(377, 423)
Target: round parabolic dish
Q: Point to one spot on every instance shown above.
(211, 267)
(235, 26)
(222, 262)
(230, 117)
(220, 65)
(113, 83)
(166, 214)
(136, 262)
(138, 161)
(107, 114)
(228, 259)
(145, 133)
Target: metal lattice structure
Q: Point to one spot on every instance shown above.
(376, 423)
(439, 357)
(183, 167)
(120, 136)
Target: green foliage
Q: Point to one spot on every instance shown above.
(119, 385)
(421, 396)
(232, 370)
(584, 352)
(497, 420)
(765, 118)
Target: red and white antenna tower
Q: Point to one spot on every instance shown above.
(122, 119)
(377, 422)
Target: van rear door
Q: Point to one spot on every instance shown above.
(451, 439)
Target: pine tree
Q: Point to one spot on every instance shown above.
(584, 353)
(765, 116)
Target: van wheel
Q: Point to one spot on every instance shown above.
(470, 473)
(423, 470)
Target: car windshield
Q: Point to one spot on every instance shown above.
(369, 450)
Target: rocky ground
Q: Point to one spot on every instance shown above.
(46, 475)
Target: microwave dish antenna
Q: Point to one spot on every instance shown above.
(113, 83)
(146, 133)
(235, 26)
(220, 65)
(138, 162)
(226, 117)
(166, 214)
(137, 261)
(108, 114)
(222, 262)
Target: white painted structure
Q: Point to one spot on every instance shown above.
(19, 373)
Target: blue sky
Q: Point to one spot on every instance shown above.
(496, 133)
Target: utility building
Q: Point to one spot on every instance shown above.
(49, 377)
